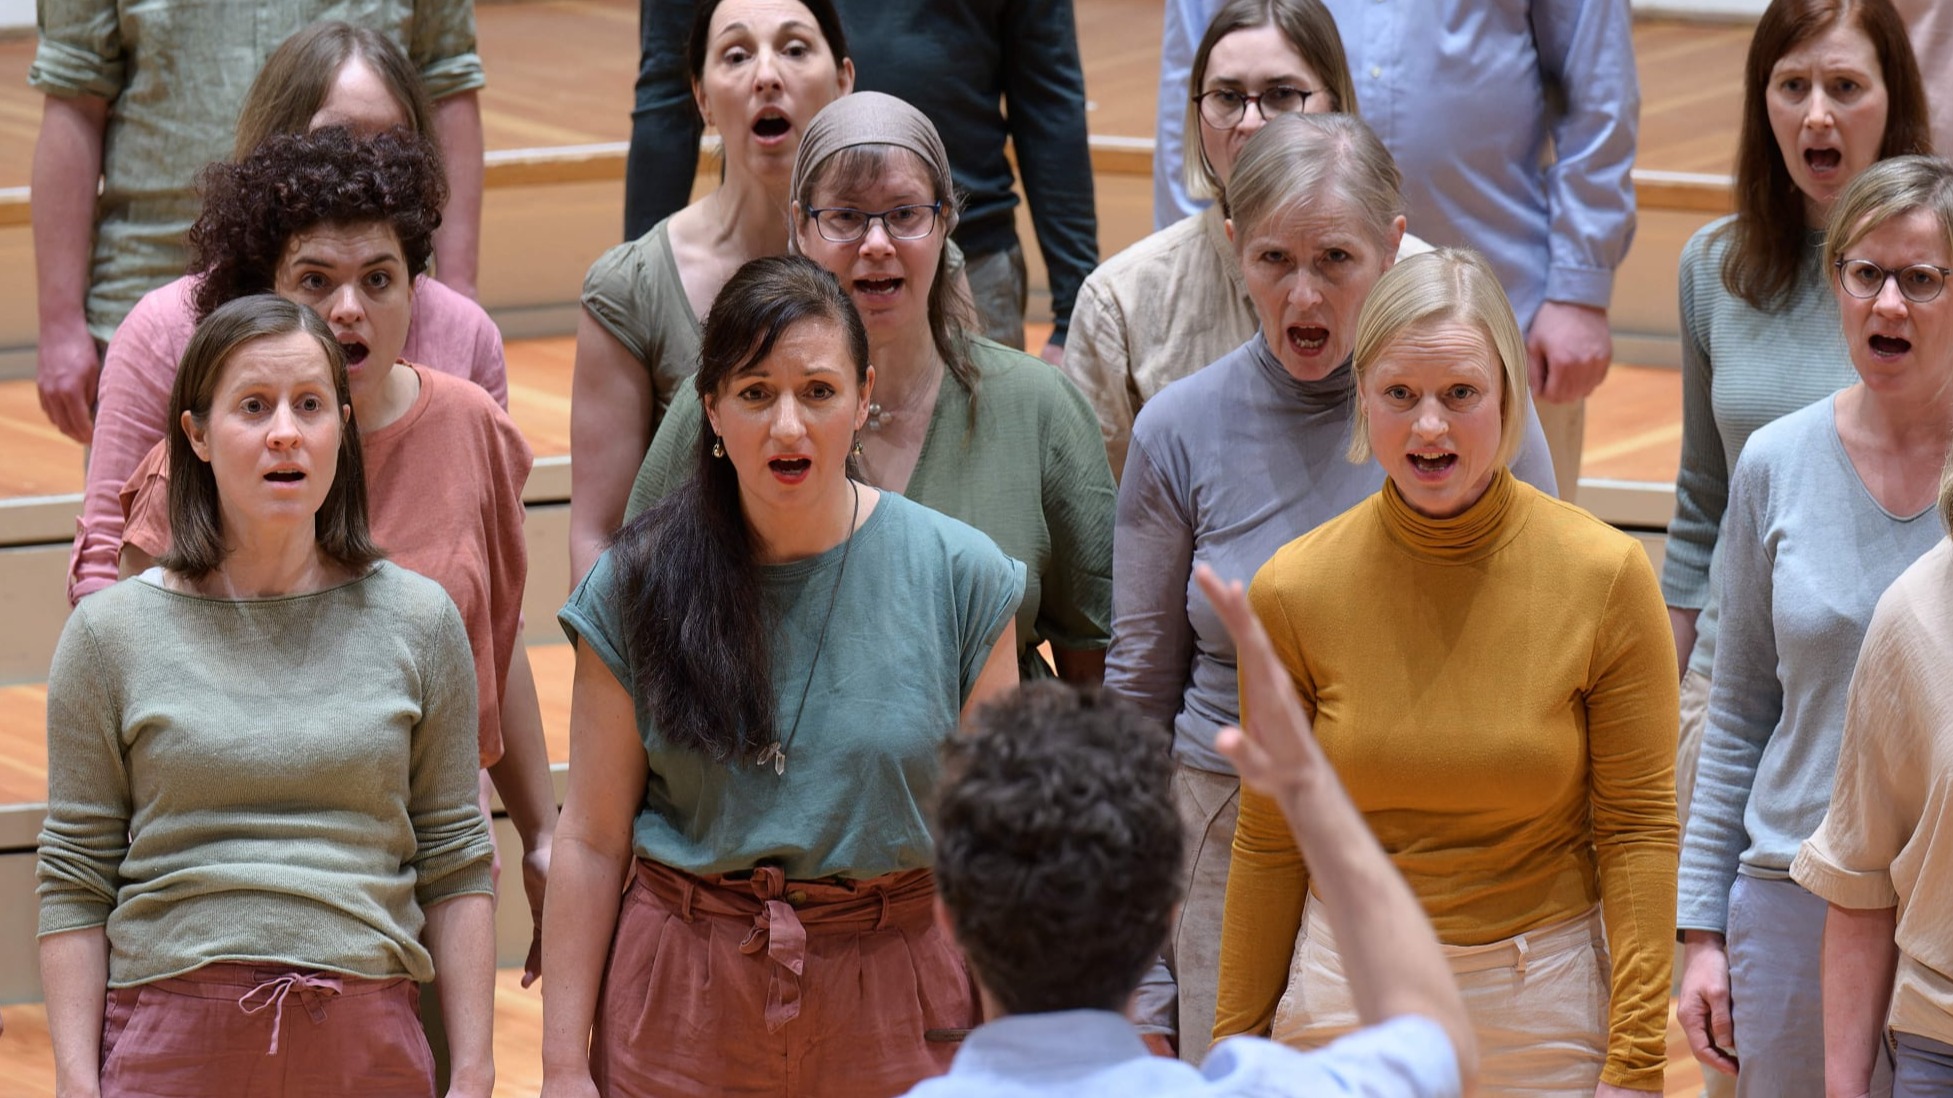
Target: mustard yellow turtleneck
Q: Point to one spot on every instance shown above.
(1497, 691)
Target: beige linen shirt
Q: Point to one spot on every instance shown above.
(1155, 313)
(1888, 838)
(175, 73)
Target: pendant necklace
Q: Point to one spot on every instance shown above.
(776, 752)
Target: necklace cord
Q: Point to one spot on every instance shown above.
(777, 753)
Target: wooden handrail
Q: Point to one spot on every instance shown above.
(1681, 192)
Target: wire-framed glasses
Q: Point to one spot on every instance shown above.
(1918, 283)
(842, 225)
(1224, 108)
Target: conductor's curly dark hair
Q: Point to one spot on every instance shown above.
(1058, 851)
(296, 182)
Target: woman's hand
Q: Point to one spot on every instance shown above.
(1703, 1007)
(535, 878)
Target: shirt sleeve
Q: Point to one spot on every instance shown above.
(146, 504)
(613, 297)
(80, 50)
(1745, 705)
(452, 849)
(1632, 707)
(1586, 47)
(1186, 23)
(672, 456)
(1044, 97)
(990, 585)
(132, 408)
(1097, 361)
(1267, 882)
(1879, 797)
(86, 834)
(443, 47)
(1152, 652)
(1404, 1057)
(510, 460)
(1702, 483)
(592, 615)
(1075, 600)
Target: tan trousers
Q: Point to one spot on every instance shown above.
(1565, 427)
(1538, 1004)
(1208, 804)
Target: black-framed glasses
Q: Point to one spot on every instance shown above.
(1918, 283)
(1224, 109)
(842, 225)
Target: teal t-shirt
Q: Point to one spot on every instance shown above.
(921, 603)
(1028, 469)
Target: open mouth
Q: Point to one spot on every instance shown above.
(1432, 465)
(1823, 160)
(1307, 340)
(771, 124)
(1890, 345)
(877, 287)
(790, 468)
(355, 351)
(284, 476)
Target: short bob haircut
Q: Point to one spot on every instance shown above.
(1889, 189)
(196, 511)
(298, 77)
(698, 43)
(1058, 852)
(1302, 158)
(1309, 28)
(1447, 285)
(295, 183)
(1768, 238)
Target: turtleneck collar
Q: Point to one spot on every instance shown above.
(1473, 534)
(1333, 391)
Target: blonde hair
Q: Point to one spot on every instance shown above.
(1311, 32)
(1450, 285)
(1946, 494)
(1889, 189)
(1306, 157)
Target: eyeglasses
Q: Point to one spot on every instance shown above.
(1225, 109)
(1918, 283)
(841, 225)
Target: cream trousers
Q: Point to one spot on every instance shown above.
(1538, 1004)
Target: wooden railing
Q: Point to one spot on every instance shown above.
(1683, 192)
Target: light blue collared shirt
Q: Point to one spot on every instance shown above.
(1098, 1054)
(1458, 91)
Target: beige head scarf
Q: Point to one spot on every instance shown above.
(871, 118)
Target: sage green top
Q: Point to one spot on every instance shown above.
(917, 607)
(285, 781)
(1029, 469)
(634, 292)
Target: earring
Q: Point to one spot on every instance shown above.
(857, 446)
(718, 447)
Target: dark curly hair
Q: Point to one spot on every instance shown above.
(296, 182)
(1058, 852)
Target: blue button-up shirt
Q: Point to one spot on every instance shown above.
(1459, 92)
(1098, 1054)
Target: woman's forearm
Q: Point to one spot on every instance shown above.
(460, 933)
(74, 979)
(1860, 957)
(579, 920)
(521, 775)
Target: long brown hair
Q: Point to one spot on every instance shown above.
(1767, 238)
(196, 512)
(702, 665)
